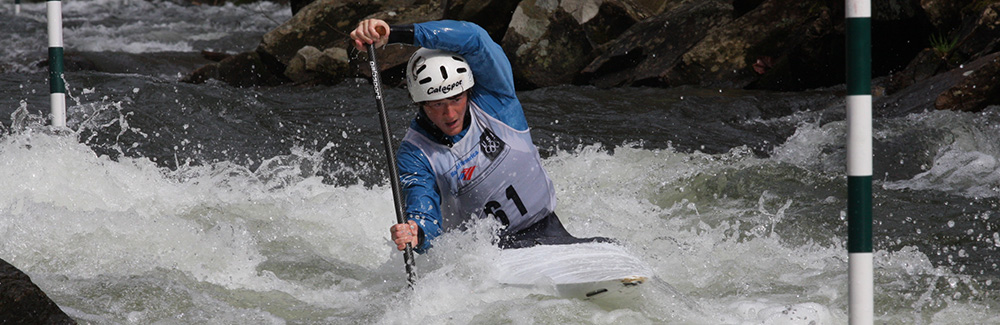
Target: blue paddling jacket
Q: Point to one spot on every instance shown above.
(493, 93)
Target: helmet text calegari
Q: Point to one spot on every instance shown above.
(437, 74)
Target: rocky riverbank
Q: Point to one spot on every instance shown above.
(781, 45)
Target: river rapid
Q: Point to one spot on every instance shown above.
(171, 203)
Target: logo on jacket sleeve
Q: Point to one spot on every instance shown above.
(490, 144)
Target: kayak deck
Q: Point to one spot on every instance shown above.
(590, 271)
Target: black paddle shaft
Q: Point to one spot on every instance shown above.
(390, 157)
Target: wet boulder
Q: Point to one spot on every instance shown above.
(968, 87)
(768, 44)
(22, 302)
(926, 64)
(646, 53)
(656, 7)
(327, 23)
(784, 45)
(976, 36)
(778, 45)
(980, 31)
(214, 56)
(247, 69)
(550, 42)
(320, 24)
(202, 74)
(312, 65)
(976, 85)
(896, 9)
(942, 13)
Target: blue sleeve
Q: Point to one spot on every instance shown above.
(420, 192)
(491, 70)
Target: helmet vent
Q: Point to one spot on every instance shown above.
(420, 69)
(461, 70)
(425, 80)
(444, 73)
(457, 59)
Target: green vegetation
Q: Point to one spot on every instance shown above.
(942, 45)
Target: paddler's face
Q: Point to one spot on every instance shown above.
(448, 114)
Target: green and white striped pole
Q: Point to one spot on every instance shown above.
(17, 7)
(57, 85)
(859, 162)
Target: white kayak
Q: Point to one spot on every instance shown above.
(589, 271)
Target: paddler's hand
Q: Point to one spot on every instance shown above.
(404, 233)
(370, 31)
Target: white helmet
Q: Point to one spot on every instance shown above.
(437, 74)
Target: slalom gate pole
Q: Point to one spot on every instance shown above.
(390, 157)
(17, 7)
(859, 163)
(57, 85)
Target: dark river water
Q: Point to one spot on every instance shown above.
(168, 202)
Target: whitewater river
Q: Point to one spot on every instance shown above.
(172, 203)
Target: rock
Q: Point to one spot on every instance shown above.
(327, 23)
(550, 41)
(927, 64)
(310, 65)
(941, 13)
(202, 74)
(645, 53)
(783, 45)
(214, 56)
(321, 24)
(252, 69)
(977, 36)
(969, 87)
(247, 69)
(714, 44)
(22, 302)
(978, 86)
(656, 7)
(794, 34)
(296, 69)
(895, 9)
(332, 62)
(983, 33)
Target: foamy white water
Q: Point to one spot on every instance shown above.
(128, 242)
(966, 162)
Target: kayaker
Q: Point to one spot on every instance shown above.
(468, 151)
